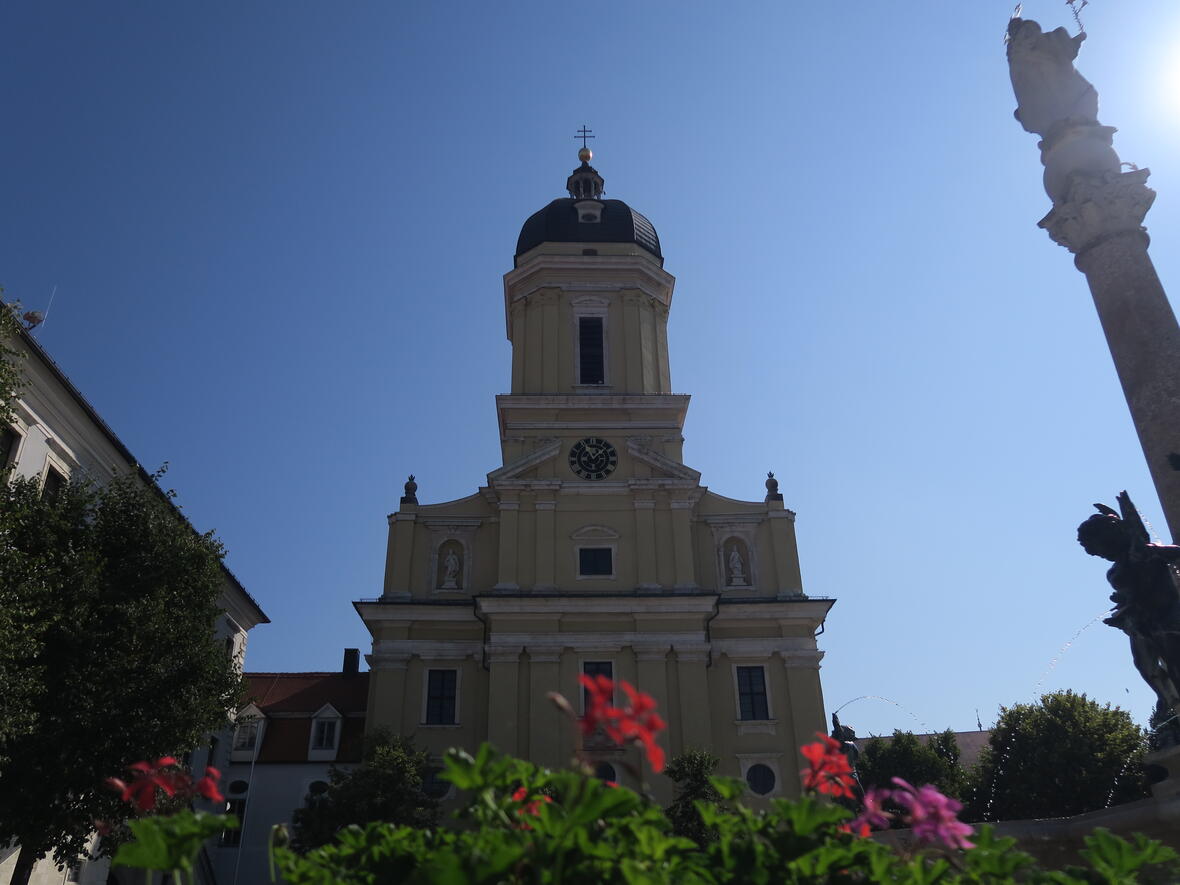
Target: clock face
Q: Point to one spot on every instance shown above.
(593, 458)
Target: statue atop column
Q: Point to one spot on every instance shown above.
(1097, 213)
(1147, 602)
(1048, 87)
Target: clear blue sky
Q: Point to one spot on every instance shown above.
(276, 233)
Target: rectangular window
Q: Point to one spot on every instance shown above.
(8, 440)
(752, 693)
(591, 351)
(441, 687)
(52, 485)
(233, 838)
(595, 562)
(246, 735)
(596, 668)
(325, 735)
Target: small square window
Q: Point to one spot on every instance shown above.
(324, 737)
(595, 562)
(441, 694)
(751, 683)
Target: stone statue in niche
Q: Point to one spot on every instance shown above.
(737, 567)
(1147, 602)
(451, 567)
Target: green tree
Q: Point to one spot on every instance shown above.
(692, 772)
(10, 357)
(934, 762)
(111, 598)
(1062, 756)
(386, 786)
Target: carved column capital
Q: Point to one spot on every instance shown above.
(499, 654)
(1099, 207)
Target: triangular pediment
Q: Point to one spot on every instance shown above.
(527, 463)
(638, 449)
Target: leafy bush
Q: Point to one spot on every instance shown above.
(525, 824)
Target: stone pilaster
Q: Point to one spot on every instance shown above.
(646, 562)
(549, 730)
(682, 544)
(509, 517)
(387, 690)
(546, 541)
(503, 691)
(399, 553)
(695, 715)
(805, 708)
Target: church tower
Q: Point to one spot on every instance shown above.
(593, 548)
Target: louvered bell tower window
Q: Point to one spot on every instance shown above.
(591, 363)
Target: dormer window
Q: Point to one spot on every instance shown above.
(324, 739)
(249, 726)
(246, 735)
(323, 736)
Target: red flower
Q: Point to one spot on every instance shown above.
(164, 774)
(828, 770)
(530, 809)
(147, 778)
(207, 786)
(637, 722)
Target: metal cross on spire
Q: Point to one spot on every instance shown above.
(584, 134)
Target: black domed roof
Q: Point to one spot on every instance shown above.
(558, 223)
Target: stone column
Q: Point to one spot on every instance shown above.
(509, 514)
(1144, 341)
(696, 721)
(1097, 214)
(682, 542)
(503, 691)
(548, 728)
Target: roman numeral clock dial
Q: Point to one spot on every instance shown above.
(593, 458)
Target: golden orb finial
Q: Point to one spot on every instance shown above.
(585, 154)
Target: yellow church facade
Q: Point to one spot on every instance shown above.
(594, 548)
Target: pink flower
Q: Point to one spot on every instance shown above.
(932, 816)
(873, 815)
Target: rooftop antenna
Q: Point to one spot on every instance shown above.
(48, 306)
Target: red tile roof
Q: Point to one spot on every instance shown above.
(307, 692)
(299, 695)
